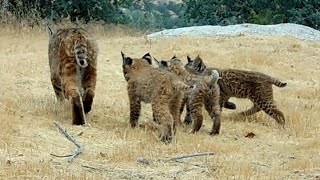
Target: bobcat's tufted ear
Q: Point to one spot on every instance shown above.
(123, 55)
(174, 57)
(199, 64)
(126, 60)
(189, 59)
(198, 60)
(161, 63)
(148, 58)
(164, 64)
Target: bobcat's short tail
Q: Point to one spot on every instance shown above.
(213, 78)
(278, 83)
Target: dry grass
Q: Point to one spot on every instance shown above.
(28, 109)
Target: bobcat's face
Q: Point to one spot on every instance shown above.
(81, 53)
(171, 64)
(196, 64)
(134, 64)
(175, 65)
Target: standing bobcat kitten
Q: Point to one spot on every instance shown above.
(255, 86)
(73, 62)
(150, 85)
(206, 93)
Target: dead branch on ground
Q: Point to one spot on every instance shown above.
(176, 159)
(92, 168)
(79, 149)
(190, 156)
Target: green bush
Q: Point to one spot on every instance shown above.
(152, 15)
(225, 12)
(148, 15)
(74, 9)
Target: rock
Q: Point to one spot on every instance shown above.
(286, 29)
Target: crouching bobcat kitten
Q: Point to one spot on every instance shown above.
(253, 85)
(73, 62)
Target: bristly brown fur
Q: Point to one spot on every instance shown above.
(206, 93)
(255, 86)
(151, 85)
(73, 62)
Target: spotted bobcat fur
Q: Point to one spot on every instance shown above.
(255, 86)
(150, 85)
(206, 93)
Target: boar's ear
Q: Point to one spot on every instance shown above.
(189, 59)
(174, 57)
(148, 58)
(126, 60)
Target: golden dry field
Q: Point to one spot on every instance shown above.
(113, 150)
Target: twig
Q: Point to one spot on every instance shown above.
(177, 159)
(190, 156)
(61, 156)
(79, 149)
(90, 167)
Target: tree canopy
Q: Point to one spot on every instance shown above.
(149, 14)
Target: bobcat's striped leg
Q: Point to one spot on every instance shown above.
(188, 118)
(269, 107)
(72, 92)
(275, 113)
(183, 103)
(162, 114)
(135, 105)
(216, 117)
(78, 115)
(87, 100)
(135, 108)
(214, 109)
(58, 90)
(175, 107)
(196, 115)
(89, 84)
(223, 100)
(195, 104)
